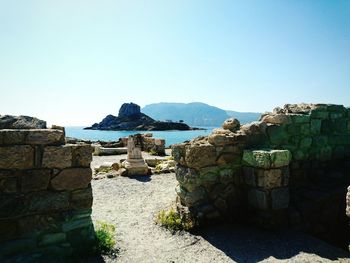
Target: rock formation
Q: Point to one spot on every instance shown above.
(21, 122)
(131, 118)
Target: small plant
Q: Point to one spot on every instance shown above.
(169, 158)
(152, 152)
(172, 220)
(103, 170)
(158, 168)
(105, 240)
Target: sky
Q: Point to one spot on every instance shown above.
(74, 62)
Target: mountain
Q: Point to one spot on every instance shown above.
(194, 114)
(244, 117)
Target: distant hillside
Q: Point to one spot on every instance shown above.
(194, 114)
(244, 117)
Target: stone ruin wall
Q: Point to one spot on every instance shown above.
(291, 168)
(147, 143)
(45, 196)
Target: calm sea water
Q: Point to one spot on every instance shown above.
(170, 137)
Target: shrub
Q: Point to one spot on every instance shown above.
(172, 220)
(105, 240)
(152, 152)
(158, 168)
(103, 170)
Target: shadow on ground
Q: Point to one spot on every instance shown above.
(250, 244)
(141, 178)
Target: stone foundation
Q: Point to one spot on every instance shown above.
(45, 196)
(289, 169)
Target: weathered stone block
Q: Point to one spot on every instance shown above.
(46, 202)
(300, 118)
(178, 151)
(258, 199)
(249, 176)
(277, 119)
(208, 175)
(57, 157)
(8, 185)
(16, 157)
(269, 179)
(257, 158)
(227, 158)
(82, 155)
(319, 141)
(305, 129)
(52, 239)
(293, 129)
(187, 177)
(45, 137)
(74, 224)
(280, 198)
(200, 156)
(319, 114)
(221, 139)
(82, 199)
(348, 126)
(340, 140)
(315, 126)
(300, 154)
(71, 179)
(280, 158)
(306, 142)
(226, 176)
(321, 154)
(195, 197)
(11, 137)
(336, 108)
(35, 180)
(336, 115)
(277, 135)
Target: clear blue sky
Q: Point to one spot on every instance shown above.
(73, 62)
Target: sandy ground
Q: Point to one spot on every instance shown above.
(132, 203)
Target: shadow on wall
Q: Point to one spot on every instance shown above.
(249, 244)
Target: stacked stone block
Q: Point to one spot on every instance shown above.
(266, 173)
(317, 140)
(209, 177)
(45, 195)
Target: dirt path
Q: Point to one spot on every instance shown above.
(132, 203)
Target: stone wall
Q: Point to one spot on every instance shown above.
(147, 143)
(45, 196)
(234, 172)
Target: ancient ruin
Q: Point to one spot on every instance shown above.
(134, 164)
(45, 194)
(290, 169)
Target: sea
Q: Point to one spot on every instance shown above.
(171, 137)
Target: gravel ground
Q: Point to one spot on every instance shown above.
(132, 203)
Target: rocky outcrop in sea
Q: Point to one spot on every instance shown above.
(130, 118)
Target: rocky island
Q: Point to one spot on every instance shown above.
(131, 118)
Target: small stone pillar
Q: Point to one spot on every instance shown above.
(266, 174)
(134, 164)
